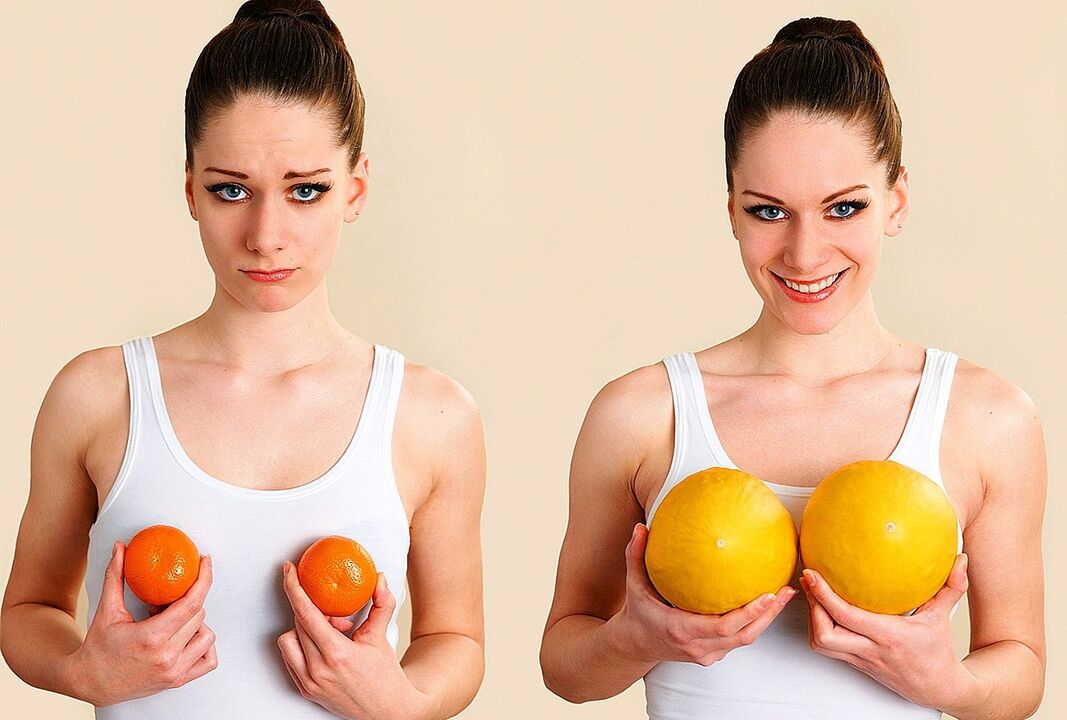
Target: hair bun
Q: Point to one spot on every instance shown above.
(821, 28)
(309, 10)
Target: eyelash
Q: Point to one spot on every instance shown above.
(321, 188)
(857, 205)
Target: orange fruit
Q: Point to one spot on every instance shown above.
(882, 534)
(161, 564)
(338, 575)
(720, 539)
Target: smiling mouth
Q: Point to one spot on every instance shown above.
(812, 287)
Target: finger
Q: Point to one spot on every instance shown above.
(197, 648)
(748, 634)
(154, 610)
(312, 652)
(203, 666)
(112, 594)
(296, 681)
(181, 610)
(856, 619)
(827, 637)
(293, 654)
(953, 589)
(636, 572)
(381, 611)
(186, 632)
(342, 624)
(312, 620)
(732, 622)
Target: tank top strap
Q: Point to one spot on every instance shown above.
(920, 444)
(693, 449)
(135, 352)
(383, 397)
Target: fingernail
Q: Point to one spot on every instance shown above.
(789, 594)
(765, 601)
(809, 576)
(114, 548)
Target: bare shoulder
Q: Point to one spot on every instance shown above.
(635, 403)
(1000, 421)
(86, 390)
(438, 406)
(992, 402)
(439, 441)
(627, 434)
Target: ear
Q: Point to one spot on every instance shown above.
(189, 198)
(357, 196)
(898, 198)
(730, 212)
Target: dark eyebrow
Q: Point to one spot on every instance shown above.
(288, 175)
(827, 199)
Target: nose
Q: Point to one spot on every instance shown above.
(805, 250)
(266, 229)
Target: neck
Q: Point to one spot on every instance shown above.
(269, 344)
(855, 345)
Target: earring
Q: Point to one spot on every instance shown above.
(899, 226)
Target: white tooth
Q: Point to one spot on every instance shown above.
(806, 288)
(824, 284)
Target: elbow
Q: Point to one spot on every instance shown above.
(560, 684)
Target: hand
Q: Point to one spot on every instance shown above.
(661, 632)
(121, 659)
(911, 655)
(355, 678)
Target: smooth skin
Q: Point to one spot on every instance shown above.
(809, 388)
(260, 356)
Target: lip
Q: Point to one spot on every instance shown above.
(268, 276)
(809, 297)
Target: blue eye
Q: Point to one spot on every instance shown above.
(766, 212)
(231, 193)
(224, 190)
(316, 189)
(848, 208)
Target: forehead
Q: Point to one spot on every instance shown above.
(259, 135)
(803, 159)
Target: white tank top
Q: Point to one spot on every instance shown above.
(248, 533)
(779, 676)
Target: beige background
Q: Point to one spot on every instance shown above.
(547, 212)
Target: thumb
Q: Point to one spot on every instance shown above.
(636, 572)
(952, 591)
(381, 610)
(112, 599)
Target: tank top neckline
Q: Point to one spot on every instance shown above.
(799, 490)
(370, 401)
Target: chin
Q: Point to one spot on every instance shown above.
(810, 323)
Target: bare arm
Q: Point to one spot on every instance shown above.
(1006, 592)
(446, 657)
(118, 659)
(607, 626)
(39, 629)
(439, 461)
(1003, 676)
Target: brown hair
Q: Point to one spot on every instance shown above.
(821, 67)
(284, 50)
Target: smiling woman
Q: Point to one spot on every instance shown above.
(257, 428)
(814, 186)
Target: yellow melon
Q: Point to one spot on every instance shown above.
(882, 535)
(720, 539)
